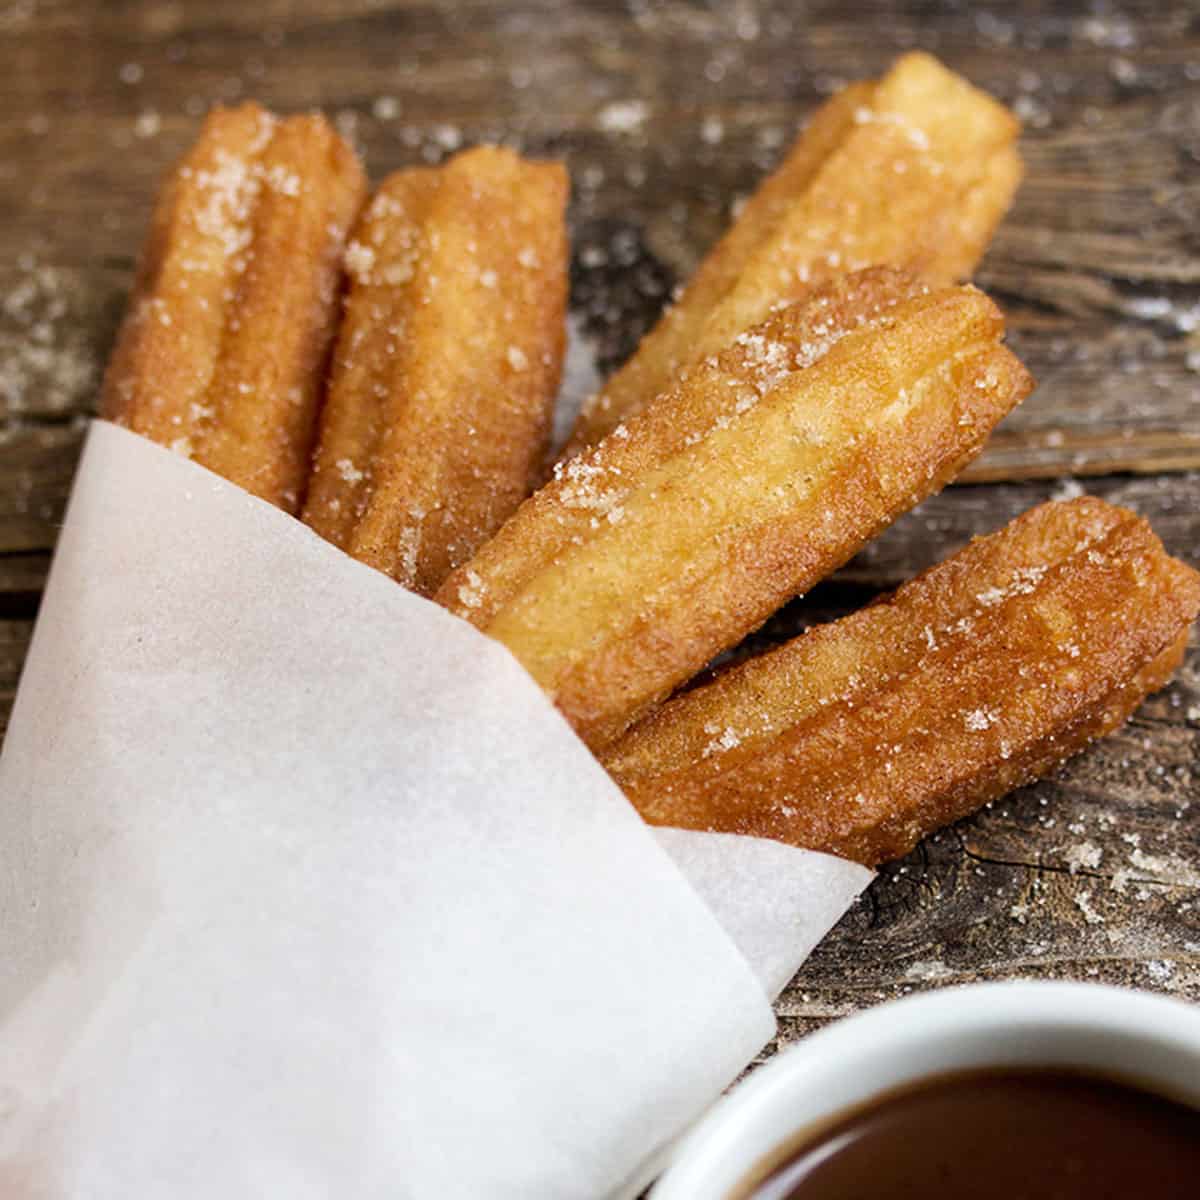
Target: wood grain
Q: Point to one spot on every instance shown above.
(665, 112)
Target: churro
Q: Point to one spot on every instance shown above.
(446, 365)
(766, 468)
(232, 313)
(914, 170)
(862, 736)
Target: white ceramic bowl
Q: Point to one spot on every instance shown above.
(1147, 1039)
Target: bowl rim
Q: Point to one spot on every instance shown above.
(969, 1009)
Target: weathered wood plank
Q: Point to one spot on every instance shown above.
(14, 642)
(663, 120)
(1171, 503)
(37, 464)
(22, 578)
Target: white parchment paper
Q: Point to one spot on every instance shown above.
(306, 891)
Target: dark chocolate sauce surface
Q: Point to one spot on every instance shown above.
(1000, 1135)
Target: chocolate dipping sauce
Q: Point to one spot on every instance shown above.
(1017, 1134)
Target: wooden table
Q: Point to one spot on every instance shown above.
(666, 112)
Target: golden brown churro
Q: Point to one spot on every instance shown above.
(862, 736)
(446, 365)
(761, 472)
(915, 170)
(221, 351)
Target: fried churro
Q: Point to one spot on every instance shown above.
(447, 363)
(232, 313)
(766, 468)
(914, 170)
(862, 736)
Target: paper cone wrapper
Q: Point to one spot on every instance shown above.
(307, 891)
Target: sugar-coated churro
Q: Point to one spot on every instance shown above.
(766, 468)
(447, 363)
(228, 329)
(862, 736)
(914, 170)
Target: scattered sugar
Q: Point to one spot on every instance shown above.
(383, 206)
(1083, 901)
(148, 123)
(398, 272)
(48, 363)
(1111, 31)
(471, 593)
(1149, 308)
(1084, 855)
(348, 471)
(729, 739)
(1123, 71)
(1160, 970)
(928, 971)
(1171, 871)
(283, 181)
(360, 259)
(1031, 111)
(1023, 582)
(1068, 489)
(232, 188)
(408, 549)
(747, 26)
(769, 361)
(449, 137)
(622, 116)
(517, 359)
(979, 719)
(583, 488)
(914, 134)
(385, 108)
(994, 29)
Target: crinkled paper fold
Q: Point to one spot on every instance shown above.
(307, 891)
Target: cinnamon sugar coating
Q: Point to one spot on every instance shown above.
(763, 470)
(447, 363)
(221, 352)
(862, 736)
(914, 170)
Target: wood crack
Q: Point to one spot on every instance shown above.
(1126, 878)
